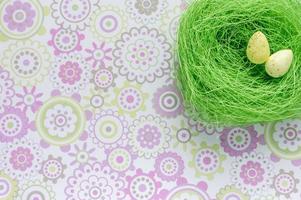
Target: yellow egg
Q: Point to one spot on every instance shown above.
(258, 50)
(279, 63)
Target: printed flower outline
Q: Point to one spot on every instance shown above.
(167, 102)
(6, 89)
(108, 22)
(99, 55)
(230, 191)
(285, 184)
(252, 173)
(137, 55)
(29, 99)
(14, 124)
(65, 41)
(94, 182)
(82, 155)
(19, 16)
(169, 166)
(108, 129)
(120, 159)
(186, 190)
(143, 185)
(9, 187)
(73, 15)
(70, 73)
(52, 169)
(36, 188)
(21, 19)
(183, 137)
(284, 139)
(62, 128)
(146, 11)
(207, 160)
(237, 141)
(149, 136)
(27, 61)
(21, 159)
(130, 98)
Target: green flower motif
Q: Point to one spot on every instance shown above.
(284, 138)
(36, 190)
(207, 160)
(27, 61)
(8, 187)
(129, 99)
(60, 121)
(108, 22)
(267, 197)
(229, 192)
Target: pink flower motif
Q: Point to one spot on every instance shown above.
(252, 173)
(99, 55)
(21, 158)
(14, 124)
(149, 136)
(143, 186)
(29, 100)
(167, 102)
(237, 141)
(65, 40)
(6, 89)
(19, 16)
(93, 182)
(70, 72)
(169, 166)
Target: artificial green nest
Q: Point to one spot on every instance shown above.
(216, 78)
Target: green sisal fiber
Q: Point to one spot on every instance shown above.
(216, 78)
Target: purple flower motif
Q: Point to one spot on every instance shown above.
(252, 173)
(108, 129)
(99, 55)
(237, 141)
(52, 169)
(169, 166)
(65, 40)
(103, 78)
(29, 99)
(285, 183)
(167, 101)
(70, 72)
(143, 186)
(14, 124)
(120, 159)
(83, 155)
(6, 89)
(149, 136)
(21, 158)
(19, 16)
(93, 182)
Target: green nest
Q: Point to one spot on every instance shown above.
(218, 81)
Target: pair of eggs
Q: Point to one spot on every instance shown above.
(258, 52)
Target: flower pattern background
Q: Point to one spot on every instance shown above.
(89, 110)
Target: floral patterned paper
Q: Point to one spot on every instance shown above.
(89, 110)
